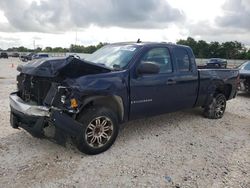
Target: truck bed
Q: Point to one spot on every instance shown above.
(210, 78)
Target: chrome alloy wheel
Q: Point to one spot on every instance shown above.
(99, 131)
(220, 107)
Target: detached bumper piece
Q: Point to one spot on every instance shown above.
(34, 119)
(65, 125)
(32, 124)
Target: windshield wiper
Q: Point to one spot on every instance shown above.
(102, 64)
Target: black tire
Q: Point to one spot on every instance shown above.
(216, 108)
(90, 116)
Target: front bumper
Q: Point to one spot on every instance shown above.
(35, 119)
(27, 109)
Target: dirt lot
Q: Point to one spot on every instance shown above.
(180, 149)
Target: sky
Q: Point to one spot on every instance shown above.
(41, 23)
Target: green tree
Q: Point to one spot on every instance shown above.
(203, 49)
(89, 49)
(248, 54)
(100, 45)
(76, 48)
(227, 50)
(232, 49)
(214, 49)
(191, 43)
(23, 49)
(38, 49)
(47, 49)
(60, 50)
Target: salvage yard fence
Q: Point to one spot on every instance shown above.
(231, 63)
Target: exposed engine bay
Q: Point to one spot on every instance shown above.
(43, 82)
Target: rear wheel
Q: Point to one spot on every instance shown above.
(99, 130)
(216, 108)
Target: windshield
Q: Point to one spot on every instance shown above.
(214, 60)
(245, 66)
(114, 56)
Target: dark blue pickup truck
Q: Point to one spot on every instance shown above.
(88, 99)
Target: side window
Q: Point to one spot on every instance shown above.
(161, 57)
(182, 60)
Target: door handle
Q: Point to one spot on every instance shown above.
(171, 82)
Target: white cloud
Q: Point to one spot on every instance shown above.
(199, 10)
(236, 15)
(92, 36)
(232, 24)
(54, 23)
(61, 15)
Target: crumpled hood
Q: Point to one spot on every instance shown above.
(67, 67)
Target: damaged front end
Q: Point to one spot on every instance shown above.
(44, 101)
(42, 121)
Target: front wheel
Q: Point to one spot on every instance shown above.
(99, 130)
(216, 108)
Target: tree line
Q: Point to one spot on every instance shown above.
(226, 50)
(72, 49)
(201, 49)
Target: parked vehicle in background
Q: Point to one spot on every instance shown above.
(89, 99)
(4, 55)
(39, 56)
(245, 76)
(216, 63)
(25, 57)
(14, 54)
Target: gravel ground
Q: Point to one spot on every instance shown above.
(180, 149)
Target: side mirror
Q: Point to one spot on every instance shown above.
(148, 68)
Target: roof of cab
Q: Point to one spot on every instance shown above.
(150, 44)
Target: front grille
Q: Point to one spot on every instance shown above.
(33, 89)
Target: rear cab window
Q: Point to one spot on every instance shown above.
(182, 60)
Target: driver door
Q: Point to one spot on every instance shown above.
(152, 94)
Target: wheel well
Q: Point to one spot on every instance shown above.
(113, 102)
(224, 89)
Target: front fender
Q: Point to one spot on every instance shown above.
(103, 89)
(113, 101)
